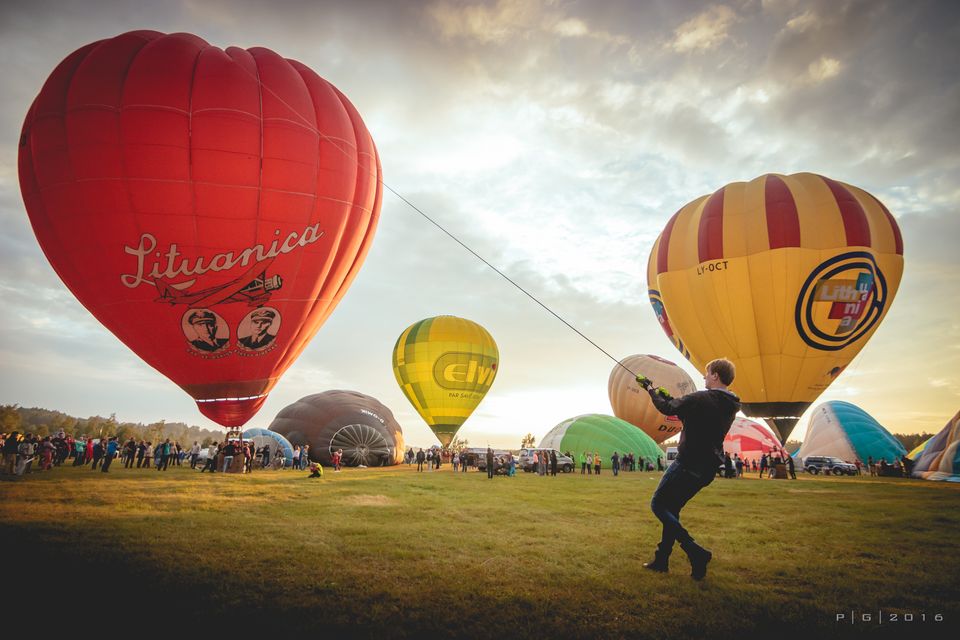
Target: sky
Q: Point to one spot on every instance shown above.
(555, 138)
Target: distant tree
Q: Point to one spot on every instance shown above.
(458, 443)
(528, 441)
(911, 441)
(10, 418)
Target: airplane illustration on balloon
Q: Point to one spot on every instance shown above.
(253, 287)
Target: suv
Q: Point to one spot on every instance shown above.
(564, 462)
(828, 464)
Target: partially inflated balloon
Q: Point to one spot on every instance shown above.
(359, 425)
(209, 207)
(751, 440)
(787, 276)
(445, 366)
(846, 431)
(633, 404)
(597, 433)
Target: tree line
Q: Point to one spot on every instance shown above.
(45, 422)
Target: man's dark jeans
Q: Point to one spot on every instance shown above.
(676, 488)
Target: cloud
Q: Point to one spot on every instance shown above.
(823, 68)
(486, 24)
(707, 30)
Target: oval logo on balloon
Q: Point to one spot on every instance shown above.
(841, 301)
(209, 207)
(465, 371)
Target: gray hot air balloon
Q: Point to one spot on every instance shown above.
(360, 425)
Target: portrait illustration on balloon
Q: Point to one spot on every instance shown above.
(209, 207)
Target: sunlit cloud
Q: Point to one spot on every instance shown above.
(704, 31)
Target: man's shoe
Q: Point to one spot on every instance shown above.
(659, 563)
(661, 559)
(699, 558)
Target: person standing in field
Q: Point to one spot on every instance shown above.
(229, 452)
(596, 462)
(489, 463)
(615, 463)
(164, 455)
(194, 454)
(97, 453)
(553, 463)
(10, 446)
(763, 464)
(211, 463)
(589, 463)
(80, 447)
(109, 452)
(305, 457)
(583, 462)
(706, 417)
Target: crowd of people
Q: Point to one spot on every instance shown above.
(766, 467)
(27, 453)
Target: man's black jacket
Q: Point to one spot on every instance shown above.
(706, 416)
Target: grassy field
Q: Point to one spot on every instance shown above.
(395, 553)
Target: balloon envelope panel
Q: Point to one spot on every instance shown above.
(941, 458)
(633, 404)
(919, 449)
(787, 276)
(445, 366)
(848, 432)
(599, 433)
(750, 440)
(209, 207)
(656, 301)
(360, 425)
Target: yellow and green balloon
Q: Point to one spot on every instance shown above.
(445, 366)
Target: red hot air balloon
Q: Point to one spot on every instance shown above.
(209, 207)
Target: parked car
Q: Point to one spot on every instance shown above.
(500, 465)
(564, 462)
(828, 464)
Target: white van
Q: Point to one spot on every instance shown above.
(671, 455)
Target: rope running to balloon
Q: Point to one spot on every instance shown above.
(501, 273)
(333, 142)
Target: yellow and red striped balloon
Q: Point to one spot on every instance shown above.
(787, 276)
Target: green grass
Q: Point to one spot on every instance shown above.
(393, 553)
